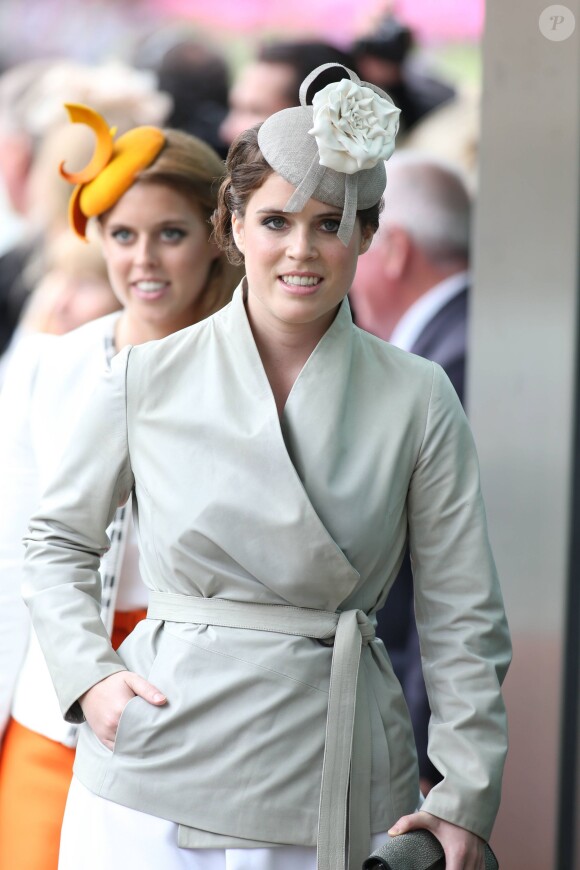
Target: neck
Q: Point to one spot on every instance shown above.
(382, 322)
(284, 347)
(131, 330)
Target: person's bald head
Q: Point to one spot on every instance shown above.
(423, 238)
(429, 200)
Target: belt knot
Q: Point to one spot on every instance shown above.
(366, 627)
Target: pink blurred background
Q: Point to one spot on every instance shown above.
(447, 19)
(97, 29)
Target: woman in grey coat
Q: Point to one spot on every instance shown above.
(279, 459)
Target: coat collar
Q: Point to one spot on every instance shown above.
(330, 357)
(305, 436)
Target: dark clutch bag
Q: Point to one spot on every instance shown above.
(417, 850)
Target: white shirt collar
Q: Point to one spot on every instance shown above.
(416, 318)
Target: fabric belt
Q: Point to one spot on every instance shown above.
(347, 753)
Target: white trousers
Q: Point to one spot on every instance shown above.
(98, 834)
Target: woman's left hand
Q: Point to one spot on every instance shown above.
(463, 849)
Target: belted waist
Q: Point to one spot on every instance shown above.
(347, 719)
(283, 618)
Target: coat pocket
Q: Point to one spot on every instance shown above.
(238, 746)
(138, 653)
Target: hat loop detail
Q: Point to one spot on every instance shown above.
(79, 114)
(311, 77)
(307, 186)
(349, 212)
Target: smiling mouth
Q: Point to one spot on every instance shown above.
(301, 280)
(150, 287)
(150, 291)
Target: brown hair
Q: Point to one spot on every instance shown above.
(193, 168)
(246, 171)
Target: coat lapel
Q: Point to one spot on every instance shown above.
(281, 450)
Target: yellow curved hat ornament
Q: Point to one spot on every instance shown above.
(111, 170)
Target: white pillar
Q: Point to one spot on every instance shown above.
(524, 395)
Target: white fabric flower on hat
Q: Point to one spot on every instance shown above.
(354, 127)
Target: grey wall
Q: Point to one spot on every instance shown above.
(523, 389)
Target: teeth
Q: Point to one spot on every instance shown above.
(302, 281)
(150, 286)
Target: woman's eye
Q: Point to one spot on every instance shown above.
(122, 235)
(275, 223)
(330, 225)
(172, 234)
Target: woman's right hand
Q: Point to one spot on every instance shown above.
(104, 702)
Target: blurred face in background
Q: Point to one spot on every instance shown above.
(384, 73)
(370, 291)
(73, 290)
(15, 161)
(156, 245)
(261, 90)
(77, 299)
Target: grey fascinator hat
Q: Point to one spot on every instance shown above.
(333, 150)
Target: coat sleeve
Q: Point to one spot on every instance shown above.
(67, 538)
(19, 487)
(461, 621)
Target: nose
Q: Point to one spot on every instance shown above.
(145, 251)
(301, 244)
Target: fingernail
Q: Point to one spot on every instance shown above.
(158, 697)
(393, 832)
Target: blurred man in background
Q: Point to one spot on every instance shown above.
(272, 81)
(411, 288)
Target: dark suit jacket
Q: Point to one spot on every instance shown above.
(14, 291)
(443, 340)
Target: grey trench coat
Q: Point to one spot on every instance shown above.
(296, 529)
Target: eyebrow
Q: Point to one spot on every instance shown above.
(162, 223)
(276, 210)
(172, 221)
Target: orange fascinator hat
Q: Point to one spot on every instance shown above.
(111, 170)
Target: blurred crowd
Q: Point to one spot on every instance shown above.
(180, 81)
(412, 287)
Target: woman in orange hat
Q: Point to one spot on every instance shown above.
(151, 193)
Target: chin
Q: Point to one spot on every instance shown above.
(304, 312)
